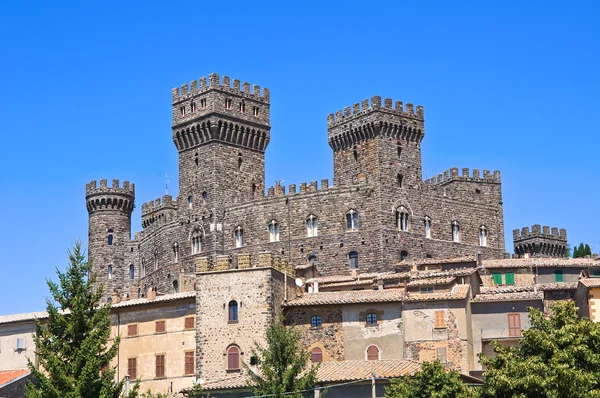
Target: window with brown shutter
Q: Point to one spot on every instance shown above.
(190, 323)
(440, 322)
(159, 326)
(514, 325)
(189, 363)
(316, 355)
(132, 368)
(372, 353)
(160, 365)
(233, 358)
(132, 330)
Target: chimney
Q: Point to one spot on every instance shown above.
(115, 298)
(479, 258)
(151, 294)
(354, 273)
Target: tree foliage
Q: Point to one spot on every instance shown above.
(73, 344)
(558, 357)
(283, 365)
(433, 381)
(582, 250)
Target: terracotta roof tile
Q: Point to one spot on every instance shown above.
(557, 286)
(330, 371)
(362, 282)
(158, 299)
(509, 296)
(8, 376)
(458, 292)
(590, 282)
(431, 281)
(541, 262)
(230, 383)
(435, 261)
(30, 316)
(348, 297)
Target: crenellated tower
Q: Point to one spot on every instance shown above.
(381, 142)
(109, 233)
(540, 242)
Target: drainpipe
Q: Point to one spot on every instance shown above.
(119, 350)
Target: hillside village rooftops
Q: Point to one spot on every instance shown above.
(436, 261)
(541, 262)
(590, 282)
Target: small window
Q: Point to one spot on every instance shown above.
(233, 311)
(455, 231)
(440, 322)
(155, 259)
(316, 321)
(273, 231)
(233, 358)
(403, 255)
(110, 237)
(193, 106)
(426, 289)
(428, 227)
(253, 360)
(353, 258)
(189, 322)
(372, 319)
(441, 355)
(497, 278)
(239, 237)
(312, 226)
(204, 197)
(227, 103)
(143, 270)
(175, 286)
(558, 276)
(189, 363)
(132, 368)
(160, 365)
(514, 325)
(352, 220)
(312, 259)
(256, 111)
(402, 219)
(483, 233)
(240, 161)
(203, 103)
(242, 107)
(190, 202)
(399, 180)
(132, 330)
(316, 355)
(159, 327)
(182, 110)
(372, 353)
(355, 154)
(110, 272)
(509, 278)
(196, 160)
(20, 343)
(399, 151)
(176, 252)
(131, 272)
(196, 242)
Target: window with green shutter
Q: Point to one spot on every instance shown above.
(558, 276)
(510, 278)
(497, 278)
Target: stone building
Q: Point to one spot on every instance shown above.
(540, 242)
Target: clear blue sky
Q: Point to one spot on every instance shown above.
(86, 90)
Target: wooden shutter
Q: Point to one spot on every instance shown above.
(132, 330)
(514, 325)
(160, 366)
(497, 279)
(558, 276)
(160, 326)
(189, 322)
(189, 363)
(439, 320)
(233, 358)
(372, 353)
(441, 355)
(316, 355)
(510, 278)
(132, 368)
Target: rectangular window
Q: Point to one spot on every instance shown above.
(509, 278)
(497, 278)
(159, 327)
(558, 276)
(132, 330)
(20, 343)
(426, 289)
(440, 322)
(441, 355)
(189, 363)
(189, 322)
(160, 365)
(514, 325)
(132, 368)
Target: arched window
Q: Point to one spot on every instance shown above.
(233, 358)
(316, 355)
(193, 106)
(110, 272)
(312, 259)
(372, 353)
(402, 219)
(455, 231)
(196, 242)
(399, 179)
(131, 272)
(110, 237)
(176, 286)
(240, 161)
(399, 149)
(353, 259)
(233, 311)
(176, 252)
(204, 197)
(355, 154)
(242, 107)
(312, 226)
(403, 255)
(428, 227)
(190, 202)
(352, 220)
(143, 270)
(155, 259)
(273, 231)
(371, 318)
(483, 233)
(316, 321)
(239, 237)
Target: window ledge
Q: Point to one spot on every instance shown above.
(316, 327)
(233, 370)
(233, 322)
(371, 325)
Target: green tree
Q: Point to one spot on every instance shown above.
(283, 365)
(433, 381)
(73, 344)
(588, 250)
(582, 251)
(558, 357)
(568, 251)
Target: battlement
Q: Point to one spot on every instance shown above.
(466, 175)
(214, 82)
(158, 204)
(92, 188)
(115, 197)
(538, 231)
(365, 107)
(311, 187)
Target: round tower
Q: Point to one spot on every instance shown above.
(109, 231)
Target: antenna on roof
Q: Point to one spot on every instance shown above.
(166, 184)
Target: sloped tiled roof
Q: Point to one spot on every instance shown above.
(330, 371)
(361, 282)
(230, 383)
(557, 286)
(8, 376)
(30, 316)
(590, 282)
(431, 281)
(541, 262)
(435, 261)
(348, 297)
(458, 292)
(159, 299)
(508, 293)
